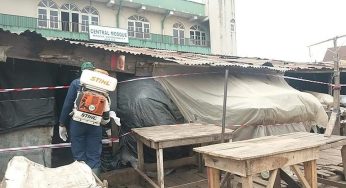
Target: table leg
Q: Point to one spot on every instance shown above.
(160, 172)
(200, 161)
(213, 177)
(343, 155)
(310, 171)
(140, 155)
(272, 178)
(246, 182)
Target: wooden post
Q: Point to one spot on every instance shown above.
(277, 182)
(224, 107)
(310, 171)
(343, 155)
(272, 178)
(213, 177)
(140, 155)
(300, 176)
(200, 162)
(160, 172)
(246, 182)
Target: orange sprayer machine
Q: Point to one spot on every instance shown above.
(93, 99)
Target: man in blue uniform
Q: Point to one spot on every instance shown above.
(86, 140)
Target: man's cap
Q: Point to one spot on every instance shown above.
(87, 66)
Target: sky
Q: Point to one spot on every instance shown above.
(282, 29)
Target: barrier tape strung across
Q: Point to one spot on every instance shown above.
(131, 80)
(164, 76)
(33, 88)
(61, 145)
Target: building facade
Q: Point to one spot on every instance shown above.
(198, 26)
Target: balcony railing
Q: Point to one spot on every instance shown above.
(167, 39)
(78, 31)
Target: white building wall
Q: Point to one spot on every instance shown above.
(19, 7)
(220, 41)
(223, 38)
(29, 8)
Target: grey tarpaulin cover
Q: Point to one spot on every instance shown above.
(325, 99)
(144, 103)
(253, 99)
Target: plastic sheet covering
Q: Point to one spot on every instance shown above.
(23, 173)
(325, 99)
(143, 104)
(343, 100)
(23, 113)
(27, 108)
(253, 99)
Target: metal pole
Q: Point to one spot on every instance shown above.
(336, 89)
(334, 120)
(224, 107)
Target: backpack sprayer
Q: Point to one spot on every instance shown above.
(93, 102)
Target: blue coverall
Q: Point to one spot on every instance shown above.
(86, 140)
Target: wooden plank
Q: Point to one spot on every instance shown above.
(300, 175)
(281, 160)
(244, 150)
(140, 155)
(191, 141)
(145, 141)
(310, 172)
(160, 171)
(277, 181)
(331, 124)
(247, 182)
(213, 177)
(343, 155)
(182, 131)
(200, 161)
(334, 144)
(272, 178)
(228, 165)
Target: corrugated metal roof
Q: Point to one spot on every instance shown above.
(192, 59)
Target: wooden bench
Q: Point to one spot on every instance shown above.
(250, 157)
(166, 136)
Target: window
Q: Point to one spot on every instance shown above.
(138, 27)
(90, 16)
(48, 14)
(197, 36)
(178, 34)
(69, 17)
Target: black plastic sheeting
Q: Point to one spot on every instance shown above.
(26, 108)
(143, 104)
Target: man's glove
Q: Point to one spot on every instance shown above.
(63, 132)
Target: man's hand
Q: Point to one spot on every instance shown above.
(62, 132)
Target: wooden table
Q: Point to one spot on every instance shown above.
(247, 158)
(166, 136)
